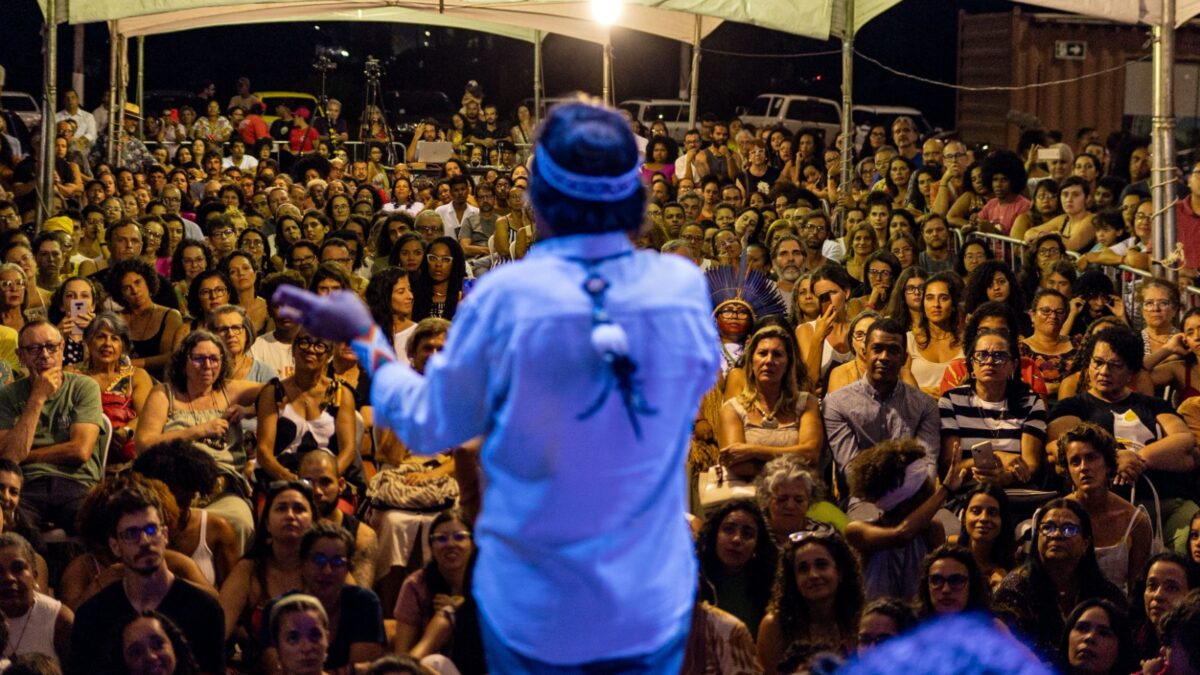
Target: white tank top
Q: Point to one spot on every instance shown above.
(203, 555)
(1114, 560)
(34, 632)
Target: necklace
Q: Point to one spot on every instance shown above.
(15, 647)
(978, 402)
(731, 359)
(768, 421)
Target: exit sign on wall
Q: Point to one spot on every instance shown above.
(1070, 50)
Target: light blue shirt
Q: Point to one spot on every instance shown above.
(585, 553)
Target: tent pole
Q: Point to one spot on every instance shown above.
(537, 77)
(694, 86)
(606, 69)
(847, 105)
(113, 39)
(77, 75)
(122, 94)
(141, 78)
(46, 203)
(1162, 173)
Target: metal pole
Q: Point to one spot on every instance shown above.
(694, 87)
(1162, 174)
(847, 102)
(45, 204)
(113, 40)
(606, 69)
(141, 77)
(537, 77)
(77, 68)
(122, 93)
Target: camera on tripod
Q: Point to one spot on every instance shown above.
(372, 68)
(324, 64)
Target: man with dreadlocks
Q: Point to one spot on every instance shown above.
(582, 365)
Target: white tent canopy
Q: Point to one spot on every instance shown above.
(1123, 11)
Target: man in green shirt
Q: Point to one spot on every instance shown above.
(50, 423)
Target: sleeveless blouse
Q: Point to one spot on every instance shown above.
(830, 358)
(295, 435)
(928, 374)
(1053, 367)
(34, 632)
(1114, 560)
(228, 451)
(782, 436)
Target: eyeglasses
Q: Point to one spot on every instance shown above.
(227, 232)
(1049, 252)
(201, 360)
(429, 229)
(1066, 530)
(954, 155)
(132, 535)
(1157, 304)
(43, 348)
(315, 346)
(879, 274)
(734, 313)
(1047, 312)
(443, 259)
(912, 290)
(12, 284)
(956, 582)
(989, 358)
(859, 335)
(337, 562)
(443, 538)
(213, 292)
(234, 329)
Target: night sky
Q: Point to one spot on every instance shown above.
(917, 36)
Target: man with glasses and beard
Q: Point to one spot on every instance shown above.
(50, 424)
(138, 537)
(814, 234)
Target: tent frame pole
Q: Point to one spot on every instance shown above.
(847, 148)
(45, 205)
(141, 81)
(537, 77)
(113, 48)
(1162, 173)
(606, 69)
(694, 85)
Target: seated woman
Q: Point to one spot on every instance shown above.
(72, 308)
(206, 538)
(98, 567)
(201, 403)
(881, 621)
(12, 296)
(390, 297)
(152, 327)
(272, 567)
(356, 633)
(1049, 349)
(935, 340)
(1092, 297)
(1175, 363)
(994, 281)
(952, 583)
(996, 410)
(209, 289)
(233, 326)
(1061, 572)
(190, 258)
(41, 623)
(882, 270)
(771, 415)
(152, 643)
(1088, 455)
(124, 387)
(793, 499)
(737, 561)
(298, 630)
(440, 280)
(996, 316)
(825, 342)
(894, 475)
(1076, 379)
(242, 271)
(1165, 580)
(1097, 640)
(818, 597)
(852, 371)
(440, 587)
(306, 411)
(988, 531)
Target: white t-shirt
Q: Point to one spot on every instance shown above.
(248, 163)
(271, 351)
(450, 219)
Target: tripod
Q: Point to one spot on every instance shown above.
(373, 103)
(323, 65)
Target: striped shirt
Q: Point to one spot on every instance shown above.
(965, 415)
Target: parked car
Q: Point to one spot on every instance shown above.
(26, 107)
(795, 112)
(867, 116)
(672, 112)
(293, 99)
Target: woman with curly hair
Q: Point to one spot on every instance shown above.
(153, 643)
(976, 193)
(772, 415)
(817, 597)
(883, 620)
(390, 297)
(895, 476)
(936, 341)
(793, 499)
(737, 561)
(1005, 174)
(993, 280)
(951, 583)
(152, 327)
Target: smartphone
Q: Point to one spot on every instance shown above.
(1049, 155)
(78, 308)
(824, 299)
(984, 455)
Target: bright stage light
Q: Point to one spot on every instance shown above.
(606, 11)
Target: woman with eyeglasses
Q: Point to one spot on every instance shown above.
(306, 411)
(952, 583)
(356, 632)
(905, 305)
(233, 326)
(1061, 572)
(817, 597)
(881, 621)
(191, 258)
(208, 290)
(1045, 207)
(881, 270)
(1098, 640)
(1047, 346)
(201, 403)
(440, 587)
(440, 280)
(271, 567)
(12, 295)
(1042, 256)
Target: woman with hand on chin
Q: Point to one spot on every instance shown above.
(825, 342)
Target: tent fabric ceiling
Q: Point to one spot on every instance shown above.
(669, 18)
(1123, 11)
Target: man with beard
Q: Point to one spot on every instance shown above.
(319, 469)
(814, 232)
(12, 479)
(138, 538)
(936, 256)
(786, 259)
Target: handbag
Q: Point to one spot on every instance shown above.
(1156, 524)
(717, 486)
(388, 490)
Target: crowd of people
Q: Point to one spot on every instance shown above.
(912, 426)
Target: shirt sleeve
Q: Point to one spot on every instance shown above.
(929, 429)
(949, 422)
(85, 402)
(840, 434)
(1035, 421)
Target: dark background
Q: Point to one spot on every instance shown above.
(916, 36)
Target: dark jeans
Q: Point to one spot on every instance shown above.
(502, 660)
(51, 501)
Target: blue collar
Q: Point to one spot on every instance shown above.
(583, 246)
